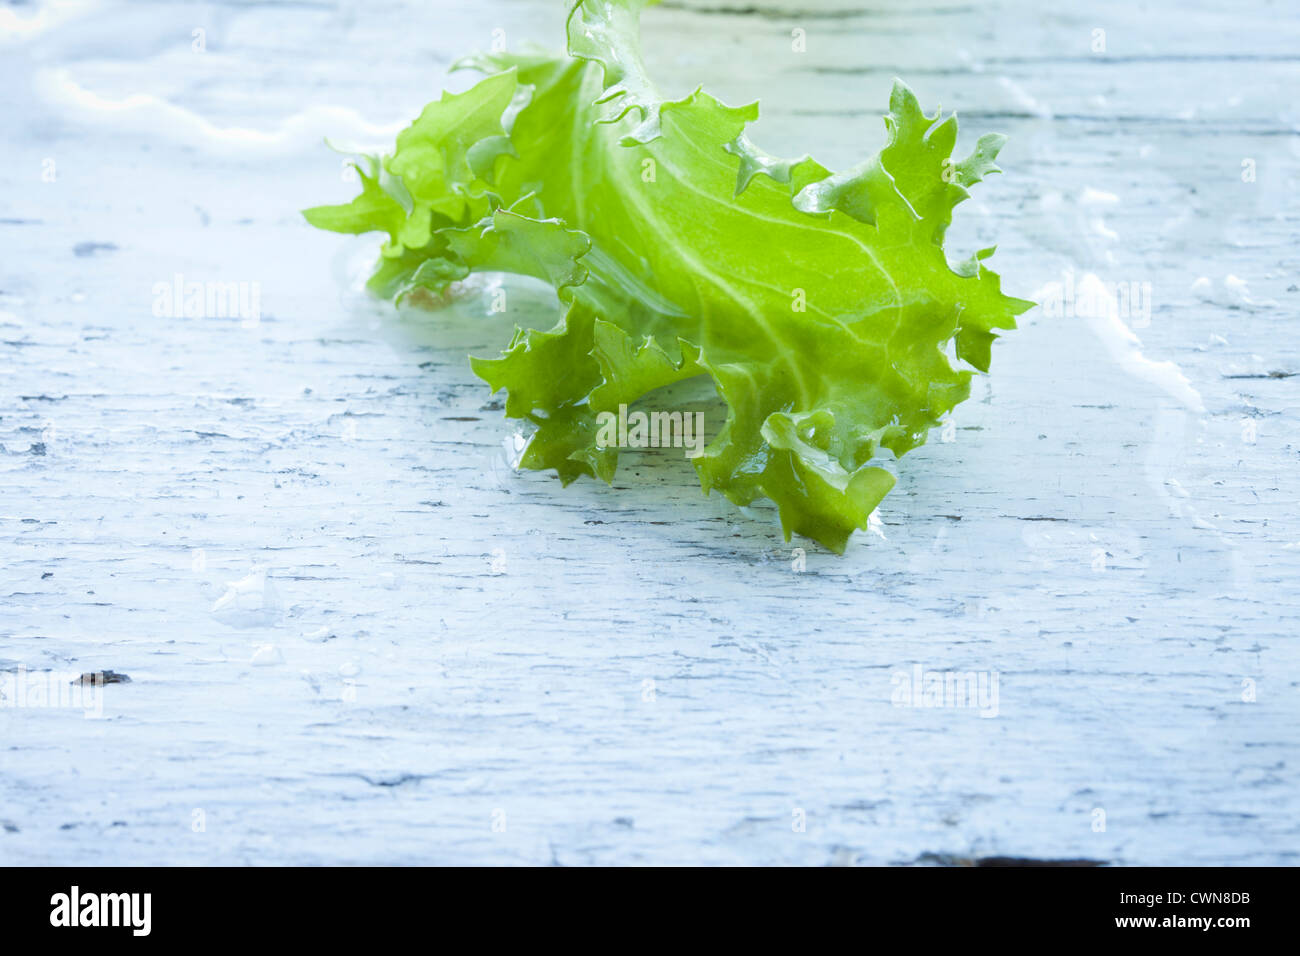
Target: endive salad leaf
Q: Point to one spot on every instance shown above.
(820, 304)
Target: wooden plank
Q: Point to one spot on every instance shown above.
(421, 640)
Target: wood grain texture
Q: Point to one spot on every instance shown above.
(425, 642)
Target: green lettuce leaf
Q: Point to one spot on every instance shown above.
(820, 304)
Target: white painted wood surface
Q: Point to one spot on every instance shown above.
(425, 642)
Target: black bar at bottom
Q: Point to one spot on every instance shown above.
(997, 900)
